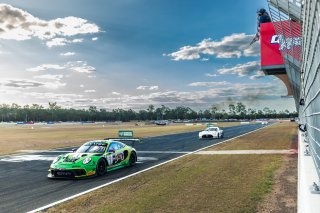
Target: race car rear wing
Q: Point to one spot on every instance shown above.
(124, 140)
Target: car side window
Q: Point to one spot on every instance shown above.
(120, 146)
(113, 146)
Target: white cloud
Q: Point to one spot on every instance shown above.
(247, 69)
(92, 76)
(148, 88)
(116, 93)
(154, 88)
(94, 39)
(259, 74)
(54, 84)
(247, 93)
(17, 24)
(53, 96)
(62, 42)
(90, 91)
(81, 85)
(84, 69)
(142, 87)
(29, 84)
(77, 66)
(43, 67)
(80, 66)
(204, 59)
(253, 50)
(21, 83)
(211, 75)
(50, 77)
(227, 92)
(233, 46)
(67, 54)
(209, 84)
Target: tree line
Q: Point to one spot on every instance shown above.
(54, 113)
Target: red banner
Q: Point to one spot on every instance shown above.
(290, 38)
(273, 46)
(269, 46)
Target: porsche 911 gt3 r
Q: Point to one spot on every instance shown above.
(93, 158)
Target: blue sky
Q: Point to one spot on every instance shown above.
(132, 53)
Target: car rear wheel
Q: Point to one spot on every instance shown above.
(101, 167)
(133, 159)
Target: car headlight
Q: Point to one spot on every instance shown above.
(86, 160)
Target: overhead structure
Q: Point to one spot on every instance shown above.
(286, 18)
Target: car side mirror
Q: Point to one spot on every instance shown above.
(74, 149)
(112, 151)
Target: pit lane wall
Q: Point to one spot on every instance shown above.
(303, 73)
(309, 112)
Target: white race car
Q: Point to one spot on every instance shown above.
(211, 132)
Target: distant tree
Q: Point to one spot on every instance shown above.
(150, 111)
(206, 114)
(214, 109)
(232, 109)
(92, 113)
(240, 108)
(52, 107)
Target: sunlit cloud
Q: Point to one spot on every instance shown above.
(76, 66)
(148, 88)
(209, 84)
(30, 84)
(49, 77)
(116, 93)
(211, 75)
(232, 46)
(43, 67)
(17, 24)
(67, 54)
(90, 91)
(62, 42)
(251, 68)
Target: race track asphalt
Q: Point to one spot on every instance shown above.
(23, 178)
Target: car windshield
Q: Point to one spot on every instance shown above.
(212, 129)
(89, 148)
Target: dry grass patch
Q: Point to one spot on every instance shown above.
(16, 137)
(278, 136)
(192, 184)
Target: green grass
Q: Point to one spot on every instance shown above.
(278, 136)
(265, 186)
(193, 184)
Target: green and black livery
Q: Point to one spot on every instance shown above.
(94, 158)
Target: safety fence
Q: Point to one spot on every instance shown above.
(303, 63)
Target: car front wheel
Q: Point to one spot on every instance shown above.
(133, 159)
(101, 167)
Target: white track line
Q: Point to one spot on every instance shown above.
(163, 152)
(147, 169)
(44, 151)
(248, 152)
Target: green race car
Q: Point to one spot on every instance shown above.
(93, 158)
